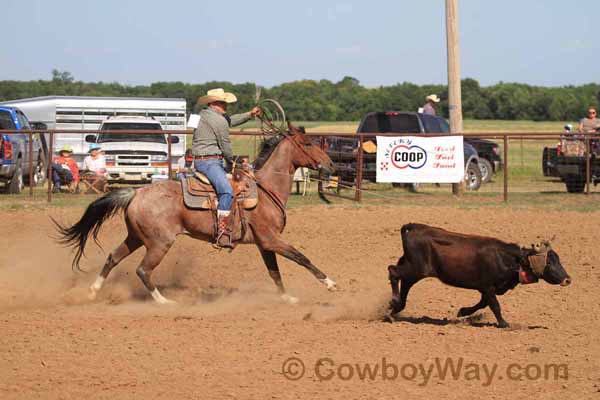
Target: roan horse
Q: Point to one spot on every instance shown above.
(156, 214)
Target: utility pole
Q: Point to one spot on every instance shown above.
(454, 95)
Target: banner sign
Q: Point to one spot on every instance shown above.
(414, 159)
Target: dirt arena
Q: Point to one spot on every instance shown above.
(230, 334)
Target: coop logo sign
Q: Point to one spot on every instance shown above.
(420, 159)
(404, 156)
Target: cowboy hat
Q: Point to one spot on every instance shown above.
(94, 147)
(433, 97)
(66, 149)
(216, 95)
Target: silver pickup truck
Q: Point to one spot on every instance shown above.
(130, 157)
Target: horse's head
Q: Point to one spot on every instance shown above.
(306, 153)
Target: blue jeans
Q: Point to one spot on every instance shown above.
(60, 175)
(214, 171)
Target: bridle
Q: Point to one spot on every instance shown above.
(315, 164)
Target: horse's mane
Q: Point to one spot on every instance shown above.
(266, 149)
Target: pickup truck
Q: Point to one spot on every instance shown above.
(14, 152)
(342, 150)
(133, 158)
(570, 163)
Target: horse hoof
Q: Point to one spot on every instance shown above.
(166, 302)
(330, 284)
(290, 299)
(160, 299)
(92, 294)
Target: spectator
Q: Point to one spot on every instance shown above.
(590, 123)
(429, 107)
(185, 165)
(65, 170)
(95, 162)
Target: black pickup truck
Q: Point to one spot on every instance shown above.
(482, 157)
(570, 163)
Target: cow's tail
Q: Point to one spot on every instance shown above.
(93, 218)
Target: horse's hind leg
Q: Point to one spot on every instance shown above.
(129, 245)
(153, 257)
(270, 260)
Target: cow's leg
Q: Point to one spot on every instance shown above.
(492, 301)
(270, 260)
(394, 278)
(400, 273)
(463, 312)
(404, 289)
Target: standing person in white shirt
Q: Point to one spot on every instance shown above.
(95, 162)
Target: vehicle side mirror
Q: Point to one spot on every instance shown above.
(174, 139)
(90, 138)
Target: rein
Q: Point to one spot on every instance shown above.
(314, 161)
(275, 199)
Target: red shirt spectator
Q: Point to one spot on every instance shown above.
(65, 159)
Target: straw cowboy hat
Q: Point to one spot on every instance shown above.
(66, 149)
(216, 95)
(433, 97)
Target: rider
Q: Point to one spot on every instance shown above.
(211, 146)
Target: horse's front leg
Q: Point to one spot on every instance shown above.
(276, 245)
(270, 260)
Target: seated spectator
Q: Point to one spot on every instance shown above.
(65, 170)
(590, 123)
(185, 165)
(95, 162)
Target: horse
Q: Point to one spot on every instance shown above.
(155, 215)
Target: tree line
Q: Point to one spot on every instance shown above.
(346, 100)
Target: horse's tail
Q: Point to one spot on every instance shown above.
(95, 215)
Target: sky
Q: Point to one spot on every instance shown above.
(268, 42)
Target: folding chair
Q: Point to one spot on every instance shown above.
(302, 175)
(93, 184)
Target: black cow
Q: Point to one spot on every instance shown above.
(488, 265)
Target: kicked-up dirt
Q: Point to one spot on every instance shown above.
(231, 336)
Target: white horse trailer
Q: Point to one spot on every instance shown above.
(79, 113)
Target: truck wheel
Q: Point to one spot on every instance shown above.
(16, 184)
(574, 183)
(545, 158)
(40, 169)
(473, 177)
(486, 170)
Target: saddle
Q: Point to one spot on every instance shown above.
(199, 194)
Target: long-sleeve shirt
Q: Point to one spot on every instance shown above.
(71, 164)
(211, 137)
(96, 165)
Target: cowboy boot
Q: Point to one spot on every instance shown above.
(224, 232)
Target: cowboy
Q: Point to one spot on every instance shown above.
(429, 107)
(65, 170)
(211, 146)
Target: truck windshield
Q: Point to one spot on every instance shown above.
(127, 137)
